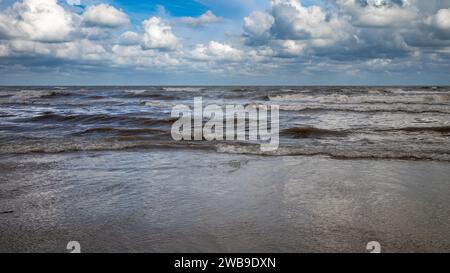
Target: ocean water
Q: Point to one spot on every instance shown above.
(352, 122)
(98, 165)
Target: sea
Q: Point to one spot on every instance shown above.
(98, 165)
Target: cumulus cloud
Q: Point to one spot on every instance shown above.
(257, 25)
(377, 63)
(294, 21)
(104, 15)
(380, 13)
(4, 50)
(77, 50)
(371, 35)
(216, 51)
(441, 23)
(205, 19)
(130, 38)
(441, 20)
(158, 35)
(81, 49)
(38, 20)
(346, 31)
(288, 48)
(290, 27)
(134, 55)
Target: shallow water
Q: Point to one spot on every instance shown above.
(196, 201)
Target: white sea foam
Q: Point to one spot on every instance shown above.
(361, 99)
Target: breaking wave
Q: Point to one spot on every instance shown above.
(335, 152)
(366, 109)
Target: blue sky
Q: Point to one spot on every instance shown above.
(216, 42)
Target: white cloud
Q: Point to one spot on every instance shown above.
(290, 28)
(134, 55)
(441, 20)
(158, 35)
(216, 51)
(439, 24)
(380, 13)
(95, 33)
(78, 50)
(258, 24)
(297, 22)
(379, 62)
(287, 48)
(104, 15)
(376, 34)
(29, 48)
(205, 19)
(38, 20)
(4, 50)
(81, 50)
(130, 38)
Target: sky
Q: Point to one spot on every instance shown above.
(218, 42)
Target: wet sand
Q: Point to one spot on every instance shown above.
(200, 201)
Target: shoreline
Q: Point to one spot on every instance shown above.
(197, 201)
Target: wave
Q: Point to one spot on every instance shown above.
(307, 132)
(122, 131)
(243, 89)
(100, 118)
(28, 97)
(428, 99)
(6, 115)
(253, 149)
(78, 144)
(36, 94)
(437, 129)
(150, 94)
(361, 109)
(419, 90)
(157, 104)
(312, 132)
(83, 144)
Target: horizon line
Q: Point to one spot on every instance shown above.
(224, 85)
